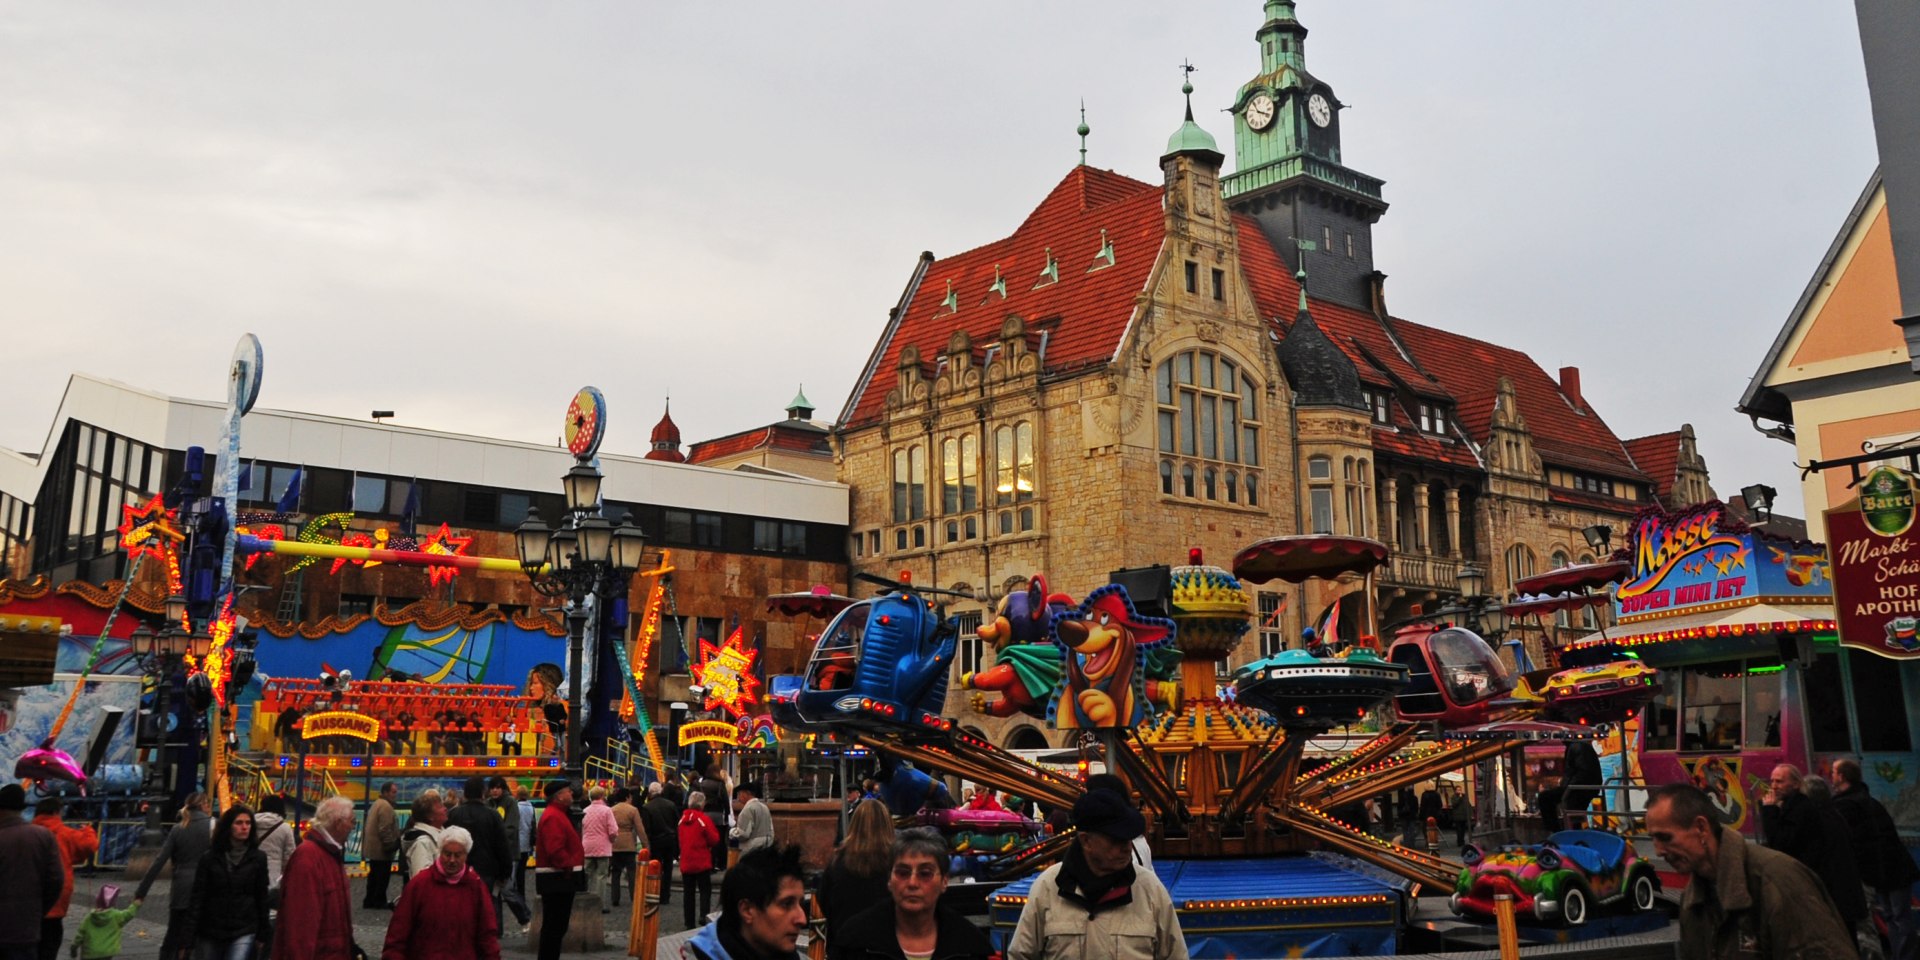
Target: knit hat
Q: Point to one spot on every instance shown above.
(13, 797)
(1108, 814)
(103, 898)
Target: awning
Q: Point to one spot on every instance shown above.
(1758, 618)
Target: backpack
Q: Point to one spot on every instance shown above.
(407, 840)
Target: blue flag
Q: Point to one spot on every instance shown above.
(411, 511)
(290, 501)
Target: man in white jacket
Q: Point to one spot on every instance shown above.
(753, 821)
(1094, 904)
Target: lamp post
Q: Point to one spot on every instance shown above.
(585, 555)
(1599, 537)
(1485, 614)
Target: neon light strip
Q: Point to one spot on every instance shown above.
(411, 558)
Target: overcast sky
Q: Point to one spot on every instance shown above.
(463, 211)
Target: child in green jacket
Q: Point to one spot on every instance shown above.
(99, 936)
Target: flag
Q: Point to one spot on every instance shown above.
(290, 501)
(410, 512)
(1329, 628)
(246, 478)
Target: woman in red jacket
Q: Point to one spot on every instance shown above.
(445, 913)
(559, 864)
(698, 836)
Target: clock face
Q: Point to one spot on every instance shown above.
(1320, 110)
(1260, 112)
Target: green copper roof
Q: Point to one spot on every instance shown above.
(1190, 136)
(800, 400)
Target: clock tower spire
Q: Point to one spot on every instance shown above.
(1290, 175)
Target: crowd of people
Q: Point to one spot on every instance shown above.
(244, 887)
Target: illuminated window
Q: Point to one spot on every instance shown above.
(1013, 471)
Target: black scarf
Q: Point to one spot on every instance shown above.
(1078, 884)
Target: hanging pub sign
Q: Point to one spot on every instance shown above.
(1876, 566)
(1700, 560)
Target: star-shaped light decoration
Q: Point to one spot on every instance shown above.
(727, 673)
(149, 529)
(445, 544)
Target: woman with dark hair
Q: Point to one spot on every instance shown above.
(229, 906)
(856, 879)
(912, 923)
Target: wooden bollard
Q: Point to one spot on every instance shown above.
(1509, 930)
(643, 929)
(816, 929)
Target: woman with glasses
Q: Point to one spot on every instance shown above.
(228, 912)
(915, 926)
(445, 912)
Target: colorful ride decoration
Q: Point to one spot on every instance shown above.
(726, 671)
(982, 833)
(1027, 665)
(881, 665)
(1105, 644)
(1561, 881)
(1309, 692)
(1700, 559)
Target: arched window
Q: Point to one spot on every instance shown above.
(1253, 490)
(960, 474)
(1556, 561)
(1519, 563)
(1166, 477)
(1233, 487)
(1186, 480)
(1212, 477)
(1013, 477)
(1208, 408)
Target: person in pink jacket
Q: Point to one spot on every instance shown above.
(698, 836)
(597, 829)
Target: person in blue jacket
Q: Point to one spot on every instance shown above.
(762, 909)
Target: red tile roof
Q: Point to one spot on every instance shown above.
(1659, 458)
(1093, 306)
(1471, 369)
(1093, 310)
(777, 436)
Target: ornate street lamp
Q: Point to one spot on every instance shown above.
(585, 555)
(1472, 581)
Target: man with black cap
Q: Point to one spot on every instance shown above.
(31, 880)
(1095, 896)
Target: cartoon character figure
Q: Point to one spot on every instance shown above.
(1106, 641)
(1026, 667)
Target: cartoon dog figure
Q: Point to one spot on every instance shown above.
(1105, 642)
(1026, 668)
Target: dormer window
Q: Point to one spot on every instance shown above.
(1433, 419)
(1377, 402)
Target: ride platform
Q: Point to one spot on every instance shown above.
(1319, 906)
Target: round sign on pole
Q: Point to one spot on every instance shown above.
(243, 379)
(586, 422)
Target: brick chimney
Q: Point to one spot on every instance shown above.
(1570, 385)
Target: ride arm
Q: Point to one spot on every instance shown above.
(1146, 776)
(1278, 761)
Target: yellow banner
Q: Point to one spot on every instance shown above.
(710, 731)
(340, 723)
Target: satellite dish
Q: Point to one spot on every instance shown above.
(243, 382)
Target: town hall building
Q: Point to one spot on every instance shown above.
(1140, 368)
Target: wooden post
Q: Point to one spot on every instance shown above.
(816, 927)
(1509, 932)
(643, 929)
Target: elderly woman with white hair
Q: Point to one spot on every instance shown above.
(445, 912)
(316, 916)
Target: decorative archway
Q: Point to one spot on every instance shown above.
(1027, 737)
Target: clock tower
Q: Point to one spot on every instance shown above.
(1289, 176)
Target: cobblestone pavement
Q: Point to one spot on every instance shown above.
(142, 937)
